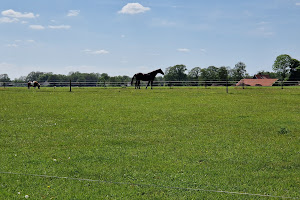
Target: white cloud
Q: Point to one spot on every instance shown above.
(8, 20)
(73, 13)
(60, 27)
(12, 45)
(14, 14)
(21, 43)
(263, 23)
(298, 4)
(96, 52)
(133, 8)
(262, 29)
(163, 22)
(183, 50)
(40, 27)
(37, 27)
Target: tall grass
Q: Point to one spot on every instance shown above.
(149, 144)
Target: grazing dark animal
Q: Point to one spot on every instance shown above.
(145, 77)
(33, 84)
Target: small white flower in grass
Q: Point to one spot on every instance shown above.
(19, 192)
(26, 196)
(54, 160)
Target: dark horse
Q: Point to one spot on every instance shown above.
(145, 77)
(33, 84)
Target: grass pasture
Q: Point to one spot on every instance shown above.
(181, 143)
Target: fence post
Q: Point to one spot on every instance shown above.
(70, 85)
(227, 81)
(227, 86)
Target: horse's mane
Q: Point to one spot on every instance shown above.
(155, 71)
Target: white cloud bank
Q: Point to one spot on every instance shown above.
(96, 52)
(37, 27)
(11, 16)
(73, 13)
(133, 8)
(60, 27)
(183, 50)
(40, 27)
(8, 20)
(14, 14)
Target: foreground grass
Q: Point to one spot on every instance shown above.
(149, 144)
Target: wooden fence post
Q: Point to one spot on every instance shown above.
(70, 85)
(227, 81)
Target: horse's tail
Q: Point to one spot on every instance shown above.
(132, 79)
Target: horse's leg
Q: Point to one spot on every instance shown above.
(151, 84)
(139, 84)
(148, 84)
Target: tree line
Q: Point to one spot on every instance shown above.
(284, 68)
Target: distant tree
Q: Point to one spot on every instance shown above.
(113, 79)
(223, 73)
(81, 79)
(103, 77)
(283, 65)
(204, 74)
(21, 79)
(271, 74)
(194, 74)
(4, 78)
(159, 78)
(33, 76)
(295, 75)
(58, 78)
(294, 71)
(210, 73)
(91, 77)
(295, 63)
(44, 77)
(176, 73)
(239, 71)
(126, 79)
(119, 79)
(76, 76)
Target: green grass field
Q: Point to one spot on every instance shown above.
(122, 143)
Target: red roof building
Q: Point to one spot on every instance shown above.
(258, 80)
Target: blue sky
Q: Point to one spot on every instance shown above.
(121, 37)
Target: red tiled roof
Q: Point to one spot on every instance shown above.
(256, 82)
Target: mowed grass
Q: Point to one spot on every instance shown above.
(149, 144)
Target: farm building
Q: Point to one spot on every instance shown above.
(258, 80)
